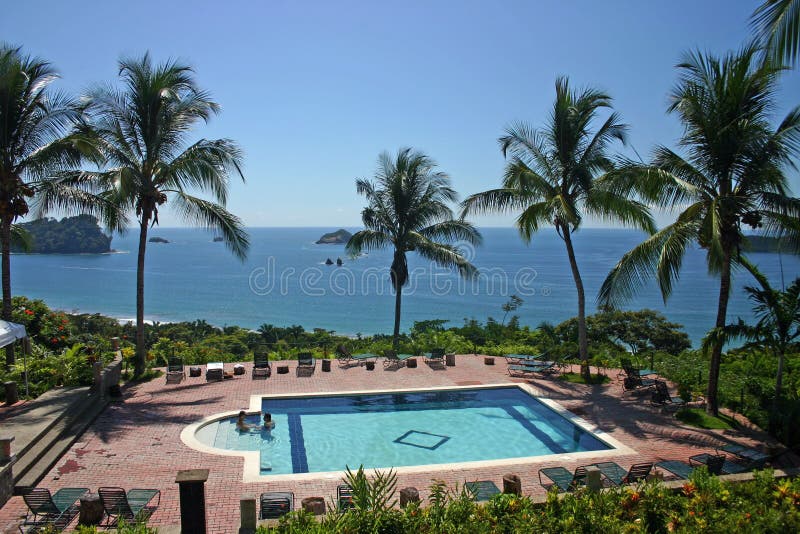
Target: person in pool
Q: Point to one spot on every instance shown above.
(269, 424)
(241, 426)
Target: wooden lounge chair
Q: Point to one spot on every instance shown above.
(661, 396)
(261, 366)
(435, 356)
(344, 497)
(684, 470)
(175, 371)
(56, 510)
(483, 490)
(563, 479)
(619, 476)
(130, 506)
(275, 504)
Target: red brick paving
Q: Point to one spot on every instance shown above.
(136, 443)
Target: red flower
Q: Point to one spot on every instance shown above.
(28, 312)
(54, 340)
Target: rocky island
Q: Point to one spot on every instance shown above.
(757, 243)
(71, 235)
(157, 240)
(339, 237)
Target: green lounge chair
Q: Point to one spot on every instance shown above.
(756, 458)
(392, 359)
(261, 367)
(619, 476)
(630, 370)
(521, 370)
(728, 467)
(275, 504)
(131, 506)
(56, 509)
(522, 358)
(483, 490)
(661, 396)
(684, 470)
(563, 479)
(434, 356)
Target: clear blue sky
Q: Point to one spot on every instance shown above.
(314, 91)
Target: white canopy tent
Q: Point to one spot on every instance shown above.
(11, 332)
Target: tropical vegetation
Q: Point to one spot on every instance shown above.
(141, 131)
(36, 141)
(777, 27)
(408, 210)
(70, 235)
(729, 175)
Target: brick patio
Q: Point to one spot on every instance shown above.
(136, 443)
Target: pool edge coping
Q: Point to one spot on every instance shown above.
(251, 471)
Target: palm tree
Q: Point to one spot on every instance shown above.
(35, 143)
(731, 175)
(558, 174)
(407, 210)
(142, 131)
(777, 27)
(778, 321)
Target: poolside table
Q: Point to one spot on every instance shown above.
(214, 371)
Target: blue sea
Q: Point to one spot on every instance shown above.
(285, 281)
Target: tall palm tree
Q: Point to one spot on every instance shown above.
(778, 321)
(142, 131)
(777, 27)
(558, 174)
(731, 175)
(407, 210)
(35, 143)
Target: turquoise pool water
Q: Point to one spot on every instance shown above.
(316, 434)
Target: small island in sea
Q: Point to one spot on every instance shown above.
(339, 237)
(218, 239)
(71, 235)
(157, 240)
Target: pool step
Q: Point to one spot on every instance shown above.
(51, 444)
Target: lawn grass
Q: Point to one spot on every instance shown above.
(698, 417)
(576, 378)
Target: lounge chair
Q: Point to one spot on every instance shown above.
(306, 363)
(634, 382)
(684, 470)
(392, 359)
(434, 356)
(344, 497)
(175, 371)
(630, 370)
(728, 467)
(343, 355)
(661, 396)
(523, 358)
(130, 506)
(563, 479)
(756, 458)
(261, 366)
(56, 509)
(483, 490)
(275, 504)
(215, 371)
(619, 476)
(525, 369)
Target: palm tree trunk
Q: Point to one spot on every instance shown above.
(779, 376)
(712, 403)
(5, 239)
(583, 342)
(141, 350)
(397, 301)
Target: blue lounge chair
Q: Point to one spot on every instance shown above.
(132, 506)
(661, 396)
(563, 479)
(756, 458)
(728, 467)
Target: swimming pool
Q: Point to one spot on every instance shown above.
(315, 434)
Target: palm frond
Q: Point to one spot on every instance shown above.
(212, 216)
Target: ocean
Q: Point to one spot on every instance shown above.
(285, 281)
